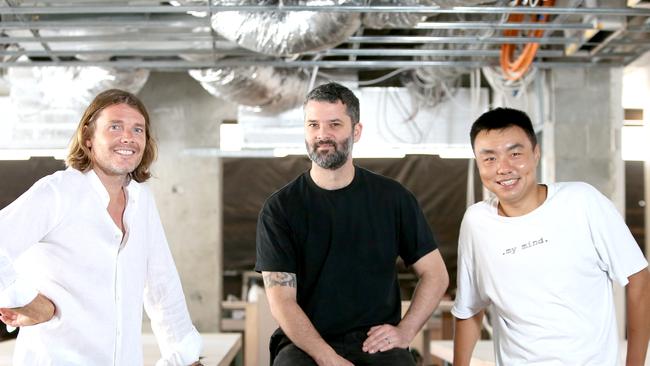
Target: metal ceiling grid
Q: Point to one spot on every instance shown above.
(152, 35)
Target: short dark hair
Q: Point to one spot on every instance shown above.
(334, 92)
(501, 118)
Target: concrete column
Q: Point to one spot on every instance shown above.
(587, 117)
(188, 189)
(584, 137)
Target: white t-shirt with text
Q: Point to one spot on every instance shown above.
(547, 276)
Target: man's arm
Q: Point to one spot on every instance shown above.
(466, 333)
(638, 317)
(432, 284)
(163, 298)
(40, 310)
(23, 223)
(281, 292)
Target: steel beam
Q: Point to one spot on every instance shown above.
(131, 9)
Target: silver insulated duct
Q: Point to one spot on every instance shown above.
(395, 20)
(264, 89)
(59, 94)
(285, 33)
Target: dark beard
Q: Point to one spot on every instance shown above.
(332, 160)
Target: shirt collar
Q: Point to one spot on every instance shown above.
(132, 189)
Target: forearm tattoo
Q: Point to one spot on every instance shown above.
(279, 279)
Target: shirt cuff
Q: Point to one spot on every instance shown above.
(18, 294)
(185, 352)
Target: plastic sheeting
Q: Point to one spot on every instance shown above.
(438, 184)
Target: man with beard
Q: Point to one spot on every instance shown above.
(84, 248)
(327, 244)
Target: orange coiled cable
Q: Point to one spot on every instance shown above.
(514, 70)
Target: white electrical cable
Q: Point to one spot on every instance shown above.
(381, 78)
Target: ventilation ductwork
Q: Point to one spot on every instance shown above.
(264, 89)
(395, 20)
(285, 33)
(59, 94)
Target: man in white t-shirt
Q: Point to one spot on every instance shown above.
(83, 250)
(543, 258)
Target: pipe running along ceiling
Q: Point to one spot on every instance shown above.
(237, 45)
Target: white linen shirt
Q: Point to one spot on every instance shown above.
(59, 239)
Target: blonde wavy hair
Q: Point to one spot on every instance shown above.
(79, 156)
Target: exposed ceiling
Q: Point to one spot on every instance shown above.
(180, 35)
(266, 54)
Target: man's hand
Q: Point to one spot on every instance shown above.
(381, 338)
(40, 310)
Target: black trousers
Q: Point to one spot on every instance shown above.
(348, 347)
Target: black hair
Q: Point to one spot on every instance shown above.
(501, 118)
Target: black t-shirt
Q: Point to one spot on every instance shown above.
(342, 245)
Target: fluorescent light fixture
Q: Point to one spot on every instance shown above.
(26, 154)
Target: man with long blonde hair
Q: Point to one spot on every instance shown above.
(83, 249)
